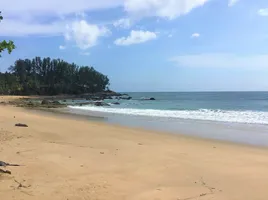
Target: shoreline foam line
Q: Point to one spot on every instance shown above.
(248, 117)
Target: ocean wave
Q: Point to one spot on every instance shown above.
(249, 117)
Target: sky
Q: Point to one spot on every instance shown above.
(147, 45)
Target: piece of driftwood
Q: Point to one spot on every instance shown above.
(5, 171)
(5, 164)
(21, 125)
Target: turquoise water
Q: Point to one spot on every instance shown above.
(239, 101)
(236, 107)
(233, 116)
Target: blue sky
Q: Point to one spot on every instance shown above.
(147, 45)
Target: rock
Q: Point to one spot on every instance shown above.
(45, 102)
(148, 99)
(56, 103)
(101, 152)
(21, 125)
(116, 103)
(112, 93)
(84, 104)
(99, 103)
(126, 98)
(30, 104)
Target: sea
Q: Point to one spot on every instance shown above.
(231, 116)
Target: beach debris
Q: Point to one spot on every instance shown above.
(5, 164)
(21, 125)
(20, 185)
(5, 171)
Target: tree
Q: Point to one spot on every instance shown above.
(51, 77)
(4, 45)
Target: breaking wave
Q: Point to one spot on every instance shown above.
(250, 117)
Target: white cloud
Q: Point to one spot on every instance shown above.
(83, 34)
(161, 8)
(232, 2)
(170, 35)
(20, 28)
(81, 14)
(221, 60)
(85, 53)
(24, 18)
(136, 37)
(123, 23)
(195, 35)
(263, 12)
(55, 7)
(61, 47)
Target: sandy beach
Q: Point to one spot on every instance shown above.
(76, 159)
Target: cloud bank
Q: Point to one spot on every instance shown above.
(136, 37)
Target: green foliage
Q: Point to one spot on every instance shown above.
(51, 77)
(6, 45)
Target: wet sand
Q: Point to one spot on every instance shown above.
(77, 159)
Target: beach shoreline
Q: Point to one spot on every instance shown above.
(76, 158)
(65, 113)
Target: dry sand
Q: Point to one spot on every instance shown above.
(81, 160)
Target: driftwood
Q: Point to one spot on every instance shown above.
(5, 171)
(4, 164)
(21, 125)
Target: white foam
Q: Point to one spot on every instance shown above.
(250, 117)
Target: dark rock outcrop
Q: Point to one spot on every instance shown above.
(56, 103)
(99, 103)
(148, 99)
(126, 98)
(30, 103)
(45, 102)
